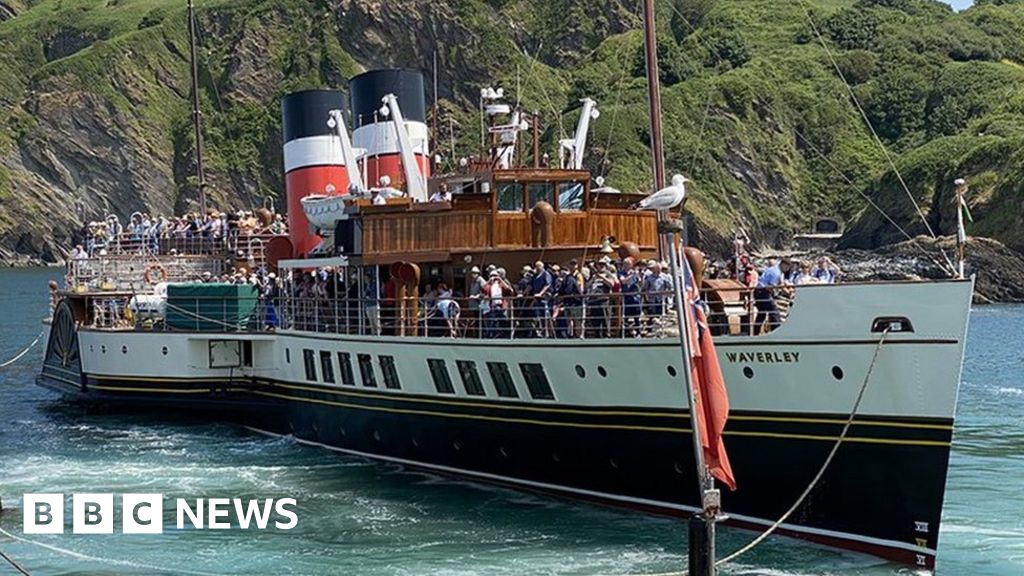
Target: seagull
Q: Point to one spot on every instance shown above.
(666, 198)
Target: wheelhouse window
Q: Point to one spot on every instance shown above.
(540, 192)
(510, 197)
(470, 378)
(537, 381)
(387, 368)
(345, 366)
(309, 359)
(502, 380)
(442, 379)
(327, 366)
(570, 197)
(366, 370)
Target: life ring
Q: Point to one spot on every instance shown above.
(161, 274)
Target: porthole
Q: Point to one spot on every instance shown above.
(502, 452)
(580, 371)
(457, 445)
(91, 349)
(555, 457)
(415, 443)
(671, 370)
(613, 463)
(678, 468)
(291, 426)
(837, 372)
(124, 349)
(602, 371)
(316, 430)
(164, 350)
(342, 432)
(748, 371)
(376, 435)
(103, 349)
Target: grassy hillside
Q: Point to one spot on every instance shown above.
(94, 112)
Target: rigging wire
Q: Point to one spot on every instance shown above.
(703, 124)
(825, 158)
(849, 181)
(881, 145)
(617, 103)
(867, 121)
(544, 92)
(867, 198)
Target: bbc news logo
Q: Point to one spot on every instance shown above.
(144, 513)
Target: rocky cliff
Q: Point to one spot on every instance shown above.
(94, 111)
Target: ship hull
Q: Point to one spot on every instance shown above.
(644, 462)
(616, 430)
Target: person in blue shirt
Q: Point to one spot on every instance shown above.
(656, 287)
(773, 277)
(541, 286)
(826, 271)
(371, 302)
(630, 281)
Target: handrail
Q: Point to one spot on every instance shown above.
(173, 242)
(513, 317)
(121, 263)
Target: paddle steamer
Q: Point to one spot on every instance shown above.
(602, 417)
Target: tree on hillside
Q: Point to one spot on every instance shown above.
(853, 28)
(896, 103)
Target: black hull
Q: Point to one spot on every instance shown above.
(889, 468)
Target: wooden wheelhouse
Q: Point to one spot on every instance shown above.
(509, 218)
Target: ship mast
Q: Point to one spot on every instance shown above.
(654, 97)
(702, 525)
(654, 106)
(197, 117)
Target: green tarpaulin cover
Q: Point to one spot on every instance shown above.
(210, 307)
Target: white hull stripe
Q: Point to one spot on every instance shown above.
(312, 151)
(610, 497)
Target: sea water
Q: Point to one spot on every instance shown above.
(358, 517)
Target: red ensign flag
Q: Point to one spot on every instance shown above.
(709, 392)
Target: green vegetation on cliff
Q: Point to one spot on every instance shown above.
(94, 111)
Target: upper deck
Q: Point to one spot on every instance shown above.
(515, 210)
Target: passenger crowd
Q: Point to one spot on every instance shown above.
(771, 287)
(144, 232)
(593, 299)
(598, 298)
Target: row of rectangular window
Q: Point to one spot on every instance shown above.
(533, 374)
(369, 378)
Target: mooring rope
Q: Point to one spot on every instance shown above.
(114, 561)
(25, 351)
(814, 482)
(14, 564)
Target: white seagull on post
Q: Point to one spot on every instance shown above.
(666, 198)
